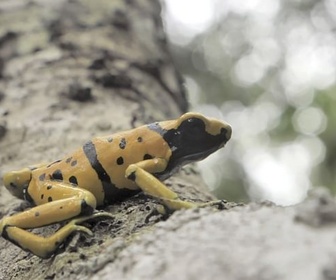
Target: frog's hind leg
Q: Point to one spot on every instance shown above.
(64, 202)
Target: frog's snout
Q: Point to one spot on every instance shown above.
(226, 132)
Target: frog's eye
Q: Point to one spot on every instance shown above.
(194, 126)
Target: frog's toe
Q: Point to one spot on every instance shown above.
(82, 229)
(219, 204)
(96, 215)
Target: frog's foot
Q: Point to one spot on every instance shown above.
(219, 204)
(74, 224)
(181, 204)
(44, 247)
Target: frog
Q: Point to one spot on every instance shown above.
(104, 171)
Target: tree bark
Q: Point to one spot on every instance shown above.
(70, 70)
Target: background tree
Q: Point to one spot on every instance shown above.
(267, 67)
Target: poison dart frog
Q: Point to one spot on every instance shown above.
(103, 171)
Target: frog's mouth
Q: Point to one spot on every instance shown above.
(175, 164)
(198, 156)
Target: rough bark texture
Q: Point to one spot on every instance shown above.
(73, 69)
(254, 242)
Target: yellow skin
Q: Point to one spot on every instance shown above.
(104, 170)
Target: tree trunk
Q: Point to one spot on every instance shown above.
(70, 70)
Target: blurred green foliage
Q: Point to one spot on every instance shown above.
(269, 69)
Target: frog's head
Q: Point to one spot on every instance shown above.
(193, 137)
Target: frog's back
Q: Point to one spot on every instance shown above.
(99, 165)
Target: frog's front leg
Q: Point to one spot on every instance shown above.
(140, 173)
(65, 202)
